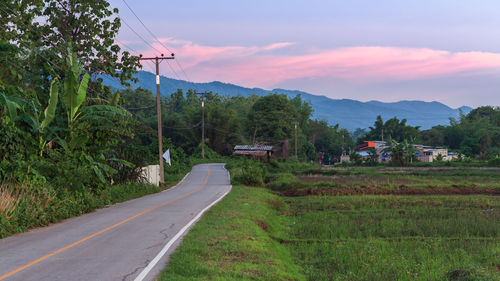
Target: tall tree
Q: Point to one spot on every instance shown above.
(272, 119)
(392, 129)
(45, 28)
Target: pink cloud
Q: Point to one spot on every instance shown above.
(257, 66)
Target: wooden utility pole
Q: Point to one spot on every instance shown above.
(202, 123)
(157, 61)
(296, 156)
(343, 151)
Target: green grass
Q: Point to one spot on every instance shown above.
(234, 241)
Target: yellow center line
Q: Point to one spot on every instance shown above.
(104, 230)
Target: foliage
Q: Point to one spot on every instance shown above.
(476, 134)
(391, 129)
(401, 153)
(247, 172)
(90, 25)
(272, 119)
(355, 158)
(229, 121)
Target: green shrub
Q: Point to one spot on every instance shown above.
(247, 172)
(495, 162)
(285, 182)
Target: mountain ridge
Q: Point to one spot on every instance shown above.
(348, 113)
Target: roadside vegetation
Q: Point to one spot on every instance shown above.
(69, 144)
(274, 226)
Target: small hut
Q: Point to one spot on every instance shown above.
(260, 152)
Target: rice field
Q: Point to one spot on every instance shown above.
(377, 223)
(395, 237)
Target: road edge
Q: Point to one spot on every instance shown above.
(178, 235)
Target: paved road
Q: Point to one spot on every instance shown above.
(114, 243)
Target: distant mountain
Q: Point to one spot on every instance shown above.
(350, 114)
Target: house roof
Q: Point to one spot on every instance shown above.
(250, 152)
(254, 147)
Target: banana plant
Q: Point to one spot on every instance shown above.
(75, 90)
(10, 106)
(50, 111)
(48, 116)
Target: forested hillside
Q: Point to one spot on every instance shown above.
(351, 114)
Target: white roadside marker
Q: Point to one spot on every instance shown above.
(150, 266)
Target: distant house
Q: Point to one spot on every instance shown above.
(424, 153)
(431, 154)
(260, 152)
(379, 147)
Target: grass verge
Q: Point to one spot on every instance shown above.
(234, 241)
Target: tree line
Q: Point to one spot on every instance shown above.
(230, 121)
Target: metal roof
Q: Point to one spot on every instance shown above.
(254, 147)
(250, 152)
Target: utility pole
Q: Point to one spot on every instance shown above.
(296, 156)
(343, 151)
(202, 123)
(157, 61)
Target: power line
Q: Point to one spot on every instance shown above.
(156, 39)
(134, 51)
(149, 44)
(138, 35)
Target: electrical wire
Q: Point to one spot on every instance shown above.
(149, 44)
(157, 40)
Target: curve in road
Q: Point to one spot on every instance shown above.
(127, 241)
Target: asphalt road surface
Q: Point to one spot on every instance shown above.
(127, 241)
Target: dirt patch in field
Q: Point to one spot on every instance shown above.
(276, 204)
(401, 190)
(262, 224)
(353, 179)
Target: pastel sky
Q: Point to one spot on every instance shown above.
(386, 50)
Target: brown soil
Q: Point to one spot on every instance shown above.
(352, 179)
(276, 204)
(261, 224)
(401, 190)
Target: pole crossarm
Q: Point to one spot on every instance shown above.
(160, 58)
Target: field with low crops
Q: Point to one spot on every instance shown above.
(371, 223)
(399, 181)
(395, 237)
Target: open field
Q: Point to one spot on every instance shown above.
(406, 231)
(396, 238)
(399, 181)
